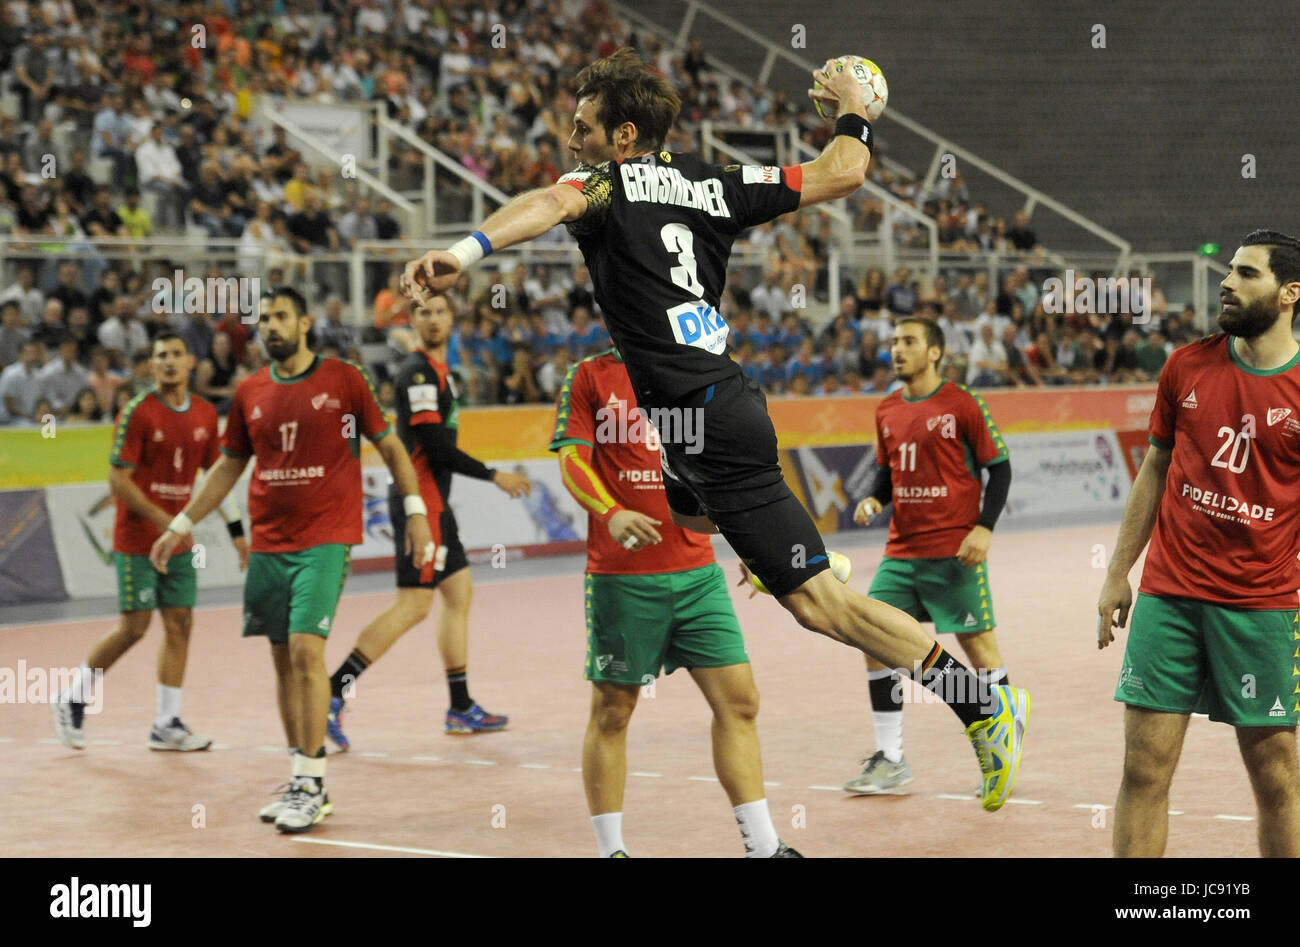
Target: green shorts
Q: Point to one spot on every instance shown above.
(1240, 666)
(142, 588)
(953, 596)
(638, 625)
(294, 592)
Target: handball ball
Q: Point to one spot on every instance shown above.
(875, 91)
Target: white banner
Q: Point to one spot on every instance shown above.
(81, 517)
(485, 515)
(1066, 472)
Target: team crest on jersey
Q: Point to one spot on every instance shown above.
(947, 424)
(1190, 400)
(665, 157)
(157, 436)
(1277, 414)
(200, 434)
(418, 378)
(318, 401)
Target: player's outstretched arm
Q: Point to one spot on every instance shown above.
(842, 167)
(1134, 534)
(419, 538)
(525, 217)
(225, 473)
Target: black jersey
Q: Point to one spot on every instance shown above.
(428, 420)
(656, 237)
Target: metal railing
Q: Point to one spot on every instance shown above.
(480, 190)
(413, 222)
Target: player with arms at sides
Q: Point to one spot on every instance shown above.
(1215, 623)
(656, 230)
(932, 439)
(162, 438)
(428, 418)
(302, 417)
(656, 600)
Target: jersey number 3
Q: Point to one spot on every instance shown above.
(693, 323)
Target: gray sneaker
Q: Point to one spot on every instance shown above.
(880, 775)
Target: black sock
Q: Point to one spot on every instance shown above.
(458, 685)
(348, 673)
(954, 683)
(885, 695)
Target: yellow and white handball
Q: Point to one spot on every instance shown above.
(875, 91)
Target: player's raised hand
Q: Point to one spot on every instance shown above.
(634, 531)
(436, 271)
(419, 540)
(975, 547)
(838, 85)
(1116, 595)
(241, 547)
(868, 508)
(517, 485)
(162, 550)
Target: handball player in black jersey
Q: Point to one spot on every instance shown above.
(655, 229)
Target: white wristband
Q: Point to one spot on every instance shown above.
(468, 251)
(182, 525)
(414, 505)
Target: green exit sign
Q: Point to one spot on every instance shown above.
(1208, 249)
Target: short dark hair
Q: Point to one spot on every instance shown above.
(933, 331)
(416, 304)
(289, 293)
(625, 90)
(1283, 253)
(166, 336)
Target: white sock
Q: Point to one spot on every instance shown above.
(756, 829)
(889, 733)
(303, 765)
(609, 833)
(168, 705)
(80, 690)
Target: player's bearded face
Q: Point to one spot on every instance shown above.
(282, 341)
(1249, 320)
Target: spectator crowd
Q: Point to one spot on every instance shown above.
(124, 124)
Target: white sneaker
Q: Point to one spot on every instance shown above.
(271, 811)
(176, 736)
(304, 806)
(68, 718)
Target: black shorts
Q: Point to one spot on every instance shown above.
(732, 475)
(449, 555)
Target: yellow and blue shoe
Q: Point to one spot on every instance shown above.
(998, 741)
(840, 565)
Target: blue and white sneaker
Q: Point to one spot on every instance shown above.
(474, 720)
(334, 725)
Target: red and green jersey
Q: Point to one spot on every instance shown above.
(1226, 528)
(164, 448)
(597, 409)
(305, 432)
(935, 447)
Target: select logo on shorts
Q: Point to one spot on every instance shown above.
(1277, 710)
